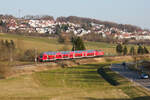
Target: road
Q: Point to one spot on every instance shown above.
(131, 75)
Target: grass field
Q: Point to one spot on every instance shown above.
(75, 83)
(81, 82)
(51, 44)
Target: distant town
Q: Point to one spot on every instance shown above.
(47, 25)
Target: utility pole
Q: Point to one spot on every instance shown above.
(19, 13)
(35, 55)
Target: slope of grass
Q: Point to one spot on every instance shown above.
(75, 83)
(40, 43)
(51, 44)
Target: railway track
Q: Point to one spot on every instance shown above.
(57, 61)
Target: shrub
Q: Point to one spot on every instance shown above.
(125, 50)
(119, 49)
(107, 77)
(140, 50)
(146, 50)
(132, 51)
(29, 55)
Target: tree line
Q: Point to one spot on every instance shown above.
(86, 22)
(7, 49)
(123, 50)
(10, 52)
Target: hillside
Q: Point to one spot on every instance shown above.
(87, 21)
(80, 82)
(90, 29)
(29, 46)
(77, 80)
(43, 44)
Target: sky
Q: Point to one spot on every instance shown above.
(134, 12)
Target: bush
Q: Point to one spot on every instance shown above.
(108, 78)
(145, 50)
(132, 51)
(119, 49)
(29, 55)
(125, 50)
(140, 50)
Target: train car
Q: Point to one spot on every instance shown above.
(99, 53)
(52, 56)
(65, 54)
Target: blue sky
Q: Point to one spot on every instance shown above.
(135, 12)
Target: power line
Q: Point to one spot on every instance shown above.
(19, 12)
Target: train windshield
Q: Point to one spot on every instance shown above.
(41, 55)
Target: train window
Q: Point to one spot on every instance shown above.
(45, 57)
(65, 56)
(58, 55)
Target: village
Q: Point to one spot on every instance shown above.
(42, 26)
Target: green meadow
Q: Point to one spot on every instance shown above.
(81, 82)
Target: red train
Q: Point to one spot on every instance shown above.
(51, 56)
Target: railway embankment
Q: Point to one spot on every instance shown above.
(37, 67)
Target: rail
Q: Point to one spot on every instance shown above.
(58, 60)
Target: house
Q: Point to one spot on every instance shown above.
(142, 37)
(41, 30)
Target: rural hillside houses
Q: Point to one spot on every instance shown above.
(49, 26)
